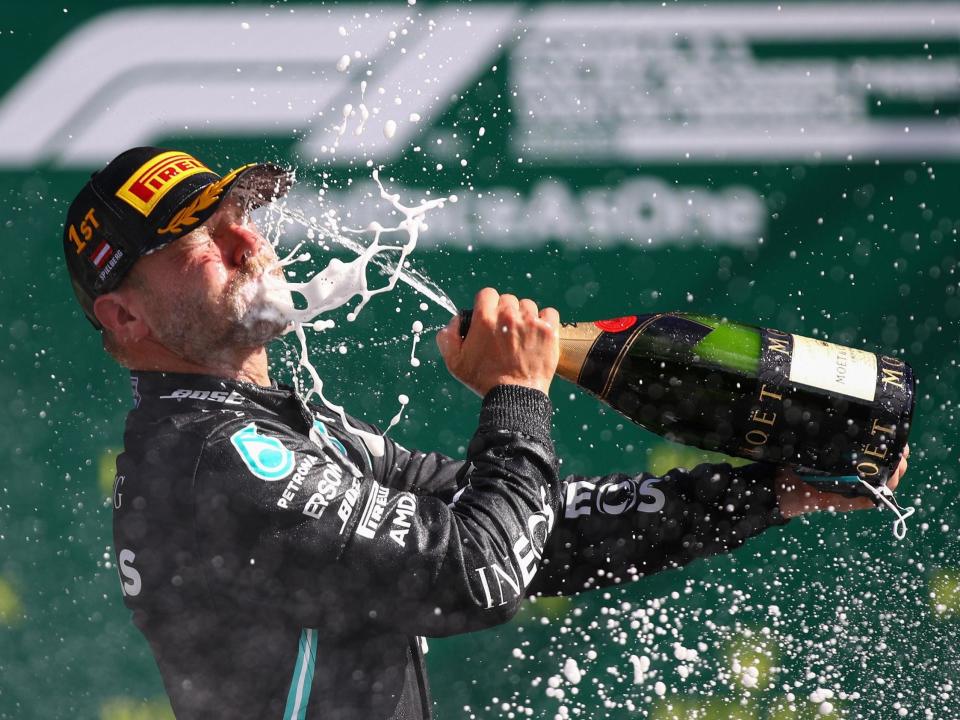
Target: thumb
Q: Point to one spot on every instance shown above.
(448, 339)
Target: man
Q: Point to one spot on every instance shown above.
(282, 565)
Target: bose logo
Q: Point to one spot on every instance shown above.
(231, 398)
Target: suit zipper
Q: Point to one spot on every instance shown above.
(422, 686)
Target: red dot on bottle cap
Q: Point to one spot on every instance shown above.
(617, 324)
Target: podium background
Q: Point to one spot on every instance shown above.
(819, 197)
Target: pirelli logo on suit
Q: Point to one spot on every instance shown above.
(373, 511)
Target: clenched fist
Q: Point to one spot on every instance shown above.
(795, 497)
(510, 342)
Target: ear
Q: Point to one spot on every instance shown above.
(121, 315)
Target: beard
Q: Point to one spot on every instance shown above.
(253, 309)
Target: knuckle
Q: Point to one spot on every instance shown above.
(485, 296)
(487, 321)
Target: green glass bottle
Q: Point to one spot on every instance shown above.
(839, 414)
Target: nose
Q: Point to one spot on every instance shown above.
(244, 242)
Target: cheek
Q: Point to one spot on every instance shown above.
(191, 288)
(213, 275)
(204, 277)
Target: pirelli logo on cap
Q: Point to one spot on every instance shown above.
(156, 177)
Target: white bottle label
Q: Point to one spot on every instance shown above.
(834, 368)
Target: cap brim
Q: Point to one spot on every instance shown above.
(260, 184)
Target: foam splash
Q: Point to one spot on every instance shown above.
(374, 443)
(329, 231)
(339, 282)
(417, 330)
(404, 400)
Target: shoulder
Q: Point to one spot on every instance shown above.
(265, 446)
(264, 469)
(175, 432)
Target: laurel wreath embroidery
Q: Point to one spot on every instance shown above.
(187, 216)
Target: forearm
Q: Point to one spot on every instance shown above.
(619, 528)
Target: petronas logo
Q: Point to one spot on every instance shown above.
(266, 457)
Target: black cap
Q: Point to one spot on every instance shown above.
(143, 199)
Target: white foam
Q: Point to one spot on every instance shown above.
(374, 443)
(404, 401)
(571, 671)
(338, 283)
(345, 115)
(640, 667)
(333, 233)
(364, 116)
(417, 330)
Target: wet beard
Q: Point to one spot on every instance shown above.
(250, 313)
(261, 302)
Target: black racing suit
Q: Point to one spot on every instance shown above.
(282, 566)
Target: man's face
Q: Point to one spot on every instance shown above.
(215, 290)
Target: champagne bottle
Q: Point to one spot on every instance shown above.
(838, 414)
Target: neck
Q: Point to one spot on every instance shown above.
(243, 364)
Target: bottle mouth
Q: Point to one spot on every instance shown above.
(466, 315)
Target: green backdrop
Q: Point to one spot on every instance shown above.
(798, 172)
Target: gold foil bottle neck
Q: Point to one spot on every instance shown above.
(576, 339)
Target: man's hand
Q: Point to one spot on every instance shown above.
(510, 342)
(796, 497)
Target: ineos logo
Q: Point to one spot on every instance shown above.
(131, 583)
(614, 498)
(117, 495)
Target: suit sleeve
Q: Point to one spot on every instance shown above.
(621, 527)
(335, 546)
